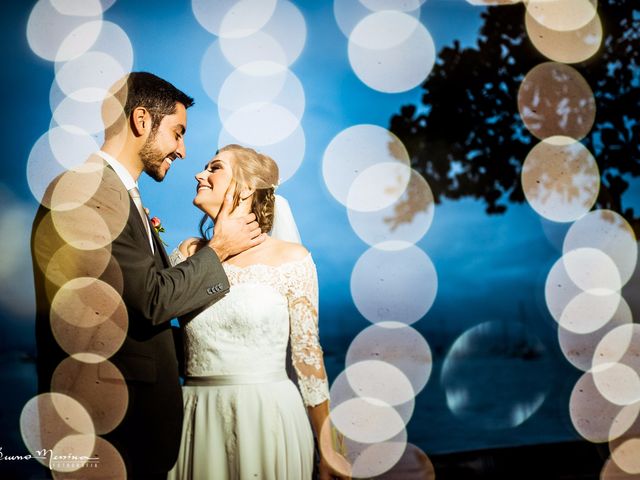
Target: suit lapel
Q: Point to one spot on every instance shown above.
(133, 211)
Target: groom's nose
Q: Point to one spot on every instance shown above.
(181, 151)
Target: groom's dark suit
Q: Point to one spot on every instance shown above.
(153, 293)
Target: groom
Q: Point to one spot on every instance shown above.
(105, 289)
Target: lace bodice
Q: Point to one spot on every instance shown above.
(248, 330)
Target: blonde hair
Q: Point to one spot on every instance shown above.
(260, 173)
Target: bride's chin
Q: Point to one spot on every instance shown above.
(210, 210)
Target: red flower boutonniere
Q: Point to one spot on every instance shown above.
(157, 226)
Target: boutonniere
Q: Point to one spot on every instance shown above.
(157, 226)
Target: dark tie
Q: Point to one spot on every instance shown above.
(135, 196)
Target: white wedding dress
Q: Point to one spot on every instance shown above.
(243, 417)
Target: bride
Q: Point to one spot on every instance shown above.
(244, 417)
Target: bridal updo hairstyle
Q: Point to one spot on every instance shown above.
(258, 172)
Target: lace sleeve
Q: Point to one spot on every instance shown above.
(306, 351)
(176, 257)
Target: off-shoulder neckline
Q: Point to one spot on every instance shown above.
(264, 265)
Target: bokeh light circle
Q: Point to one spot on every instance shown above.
(489, 3)
(74, 446)
(99, 387)
(109, 463)
(396, 344)
(92, 74)
(80, 40)
(84, 116)
(261, 82)
(80, 8)
(555, 100)
(560, 179)
(380, 380)
(288, 27)
(48, 418)
(404, 6)
(579, 348)
(47, 29)
(495, 366)
(378, 186)
(76, 186)
(55, 151)
(587, 312)
(391, 51)
(617, 382)
(68, 263)
(592, 415)
(394, 285)
(71, 145)
(343, 389)
(621, 344)
(377, 458)
(609, 232)
(624, 422)
(71, 226)
(348, 13)
(259, 47)
(406, 220)
(627, 455)
(214, 70)
(571, 46)
(360, 455)
(616, 365)
(89, 319)
(89, 76)
(611, 471)
(559, 289)
(86, 302)
(592, 270)
(233, 19)
(98, 222)
(262, 123)
(355, 149)
(246, 17)
(414, 464)
(367, 420)
(562, 15)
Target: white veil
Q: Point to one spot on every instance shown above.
(284, 228)
(284, 225)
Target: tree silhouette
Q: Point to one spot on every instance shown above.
(468, 138)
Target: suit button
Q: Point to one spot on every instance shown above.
(209, 291)
(218, 287)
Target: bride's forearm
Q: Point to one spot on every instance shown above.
(318, 414)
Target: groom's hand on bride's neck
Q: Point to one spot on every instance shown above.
(234, 234)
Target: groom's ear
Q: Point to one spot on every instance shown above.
(140, 121)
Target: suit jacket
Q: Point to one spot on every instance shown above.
(104, 305)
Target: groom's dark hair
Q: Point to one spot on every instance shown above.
(144, 89)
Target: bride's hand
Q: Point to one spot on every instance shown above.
(334, 465)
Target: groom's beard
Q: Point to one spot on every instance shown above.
(152, 160)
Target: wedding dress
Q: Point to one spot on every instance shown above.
(243, 417)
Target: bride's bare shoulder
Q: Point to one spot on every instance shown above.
(191, 245)
(288, 251)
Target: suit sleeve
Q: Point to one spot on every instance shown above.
(160, 295)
